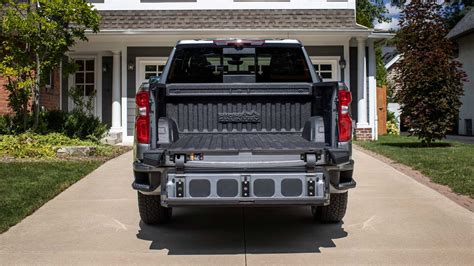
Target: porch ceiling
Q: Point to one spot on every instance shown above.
(167, 20)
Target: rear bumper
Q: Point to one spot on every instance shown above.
(225, 187)
(244, 189)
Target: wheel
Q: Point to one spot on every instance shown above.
(151, 211)
(334, 212)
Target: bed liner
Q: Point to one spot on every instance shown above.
(243, 142)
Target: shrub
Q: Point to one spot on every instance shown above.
(54, 121)
(6, 125)
(84, 126)
(32, 145)
(392, 124)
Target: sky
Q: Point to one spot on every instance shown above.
(394, 14)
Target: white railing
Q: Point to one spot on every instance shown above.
(222, 4)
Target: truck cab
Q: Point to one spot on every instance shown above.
(242, 123)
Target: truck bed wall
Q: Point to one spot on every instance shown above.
(197, 111)
(220, 114)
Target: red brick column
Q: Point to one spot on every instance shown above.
(3, 98)
(364, 134)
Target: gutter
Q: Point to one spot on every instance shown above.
(358, 32)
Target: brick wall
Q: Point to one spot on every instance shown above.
(364, 134)
(49, 99)
(3, 97)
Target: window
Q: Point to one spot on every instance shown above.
(84, 78)
(153, 70)
(148, 67)
(245, 65)
(327, 68)
(48, 81)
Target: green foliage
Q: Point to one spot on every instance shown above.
(381, 74)
(31, 145)
(6, 125)
(81, 103)
(53, 121)
(430, 81)
(76, 124)
(456, 10)
(81, 123)
(84, 126)
(34, 37)
(369, 11)
(392, 124)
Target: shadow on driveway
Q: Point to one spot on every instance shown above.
(206, 231)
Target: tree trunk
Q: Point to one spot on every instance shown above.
(36, 91)
(36, 94)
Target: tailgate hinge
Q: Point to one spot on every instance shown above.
(311, 159)
(180, 160)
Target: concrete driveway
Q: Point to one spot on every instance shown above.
(391, 219)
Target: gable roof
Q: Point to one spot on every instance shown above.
(268, 19)
(464, 27)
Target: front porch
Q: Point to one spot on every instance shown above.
(121, 62)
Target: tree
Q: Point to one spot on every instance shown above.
(369, 11)
(454, 10)
(430, 80)
(35, 35)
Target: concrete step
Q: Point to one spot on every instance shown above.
(112, 138)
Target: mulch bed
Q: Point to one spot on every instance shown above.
(118, 150)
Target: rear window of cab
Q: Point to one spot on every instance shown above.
(211, 64)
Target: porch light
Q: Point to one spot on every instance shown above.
(342, 63)
(130, 66)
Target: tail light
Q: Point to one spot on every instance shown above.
(142, 123)
(239, 43)
(345, 120)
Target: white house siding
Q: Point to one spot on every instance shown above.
(466, 57)
(222, 4)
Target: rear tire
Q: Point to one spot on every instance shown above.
(334, 212)
(151, 211)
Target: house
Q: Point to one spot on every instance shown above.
(137, 36)
(390, 57)
(463, 35)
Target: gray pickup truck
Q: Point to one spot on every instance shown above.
(242, 123)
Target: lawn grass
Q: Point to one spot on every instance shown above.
(26, 186)
(448, 163)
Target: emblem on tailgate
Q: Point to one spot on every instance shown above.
(242, 117)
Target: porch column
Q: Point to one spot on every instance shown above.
(372, 90)
(116, 105)
(361, 84)
(363, 130)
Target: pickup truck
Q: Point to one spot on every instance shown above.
(242, 123)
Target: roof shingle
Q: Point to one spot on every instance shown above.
(465, 26)
(325, 19)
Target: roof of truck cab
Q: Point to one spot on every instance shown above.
(211, 41)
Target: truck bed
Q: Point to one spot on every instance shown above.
(243, 142)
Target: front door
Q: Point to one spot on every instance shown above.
(149, 68)
(84, 82)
